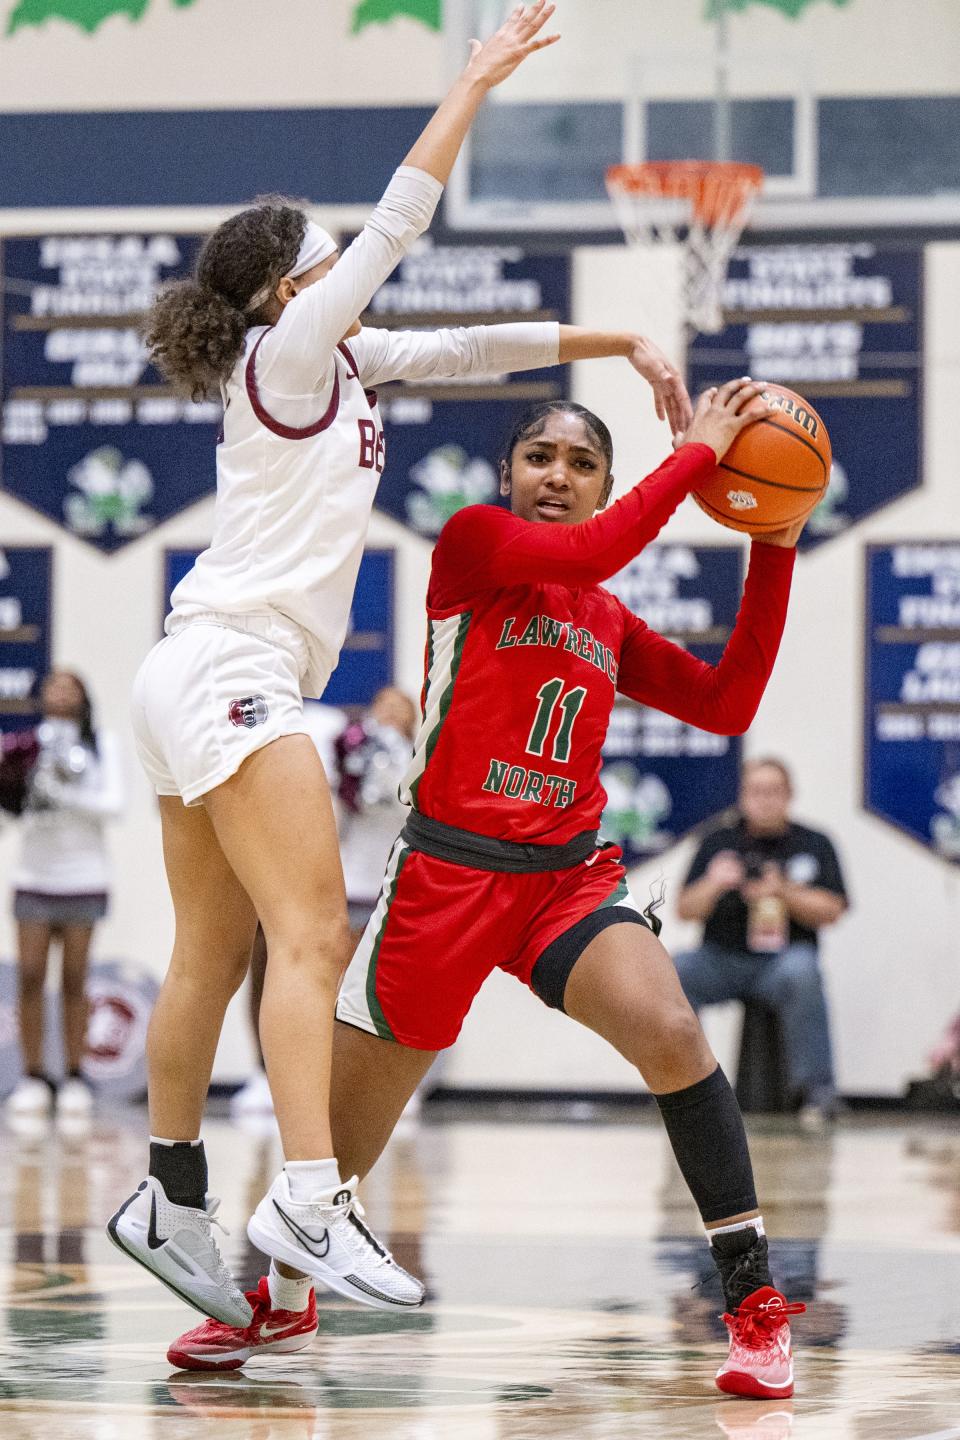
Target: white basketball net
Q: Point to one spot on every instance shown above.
(701, 204)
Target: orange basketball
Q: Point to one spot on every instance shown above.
(775, 471)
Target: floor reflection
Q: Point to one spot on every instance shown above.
(571, 1292)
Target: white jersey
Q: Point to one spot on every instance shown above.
(303, 449)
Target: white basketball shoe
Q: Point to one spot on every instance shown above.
(174, 1242)
(327, 1240)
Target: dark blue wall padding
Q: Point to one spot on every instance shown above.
(202, 157)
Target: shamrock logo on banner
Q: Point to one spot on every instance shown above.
(380, 12)
(792, 8)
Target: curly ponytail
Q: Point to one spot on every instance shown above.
(196, 329)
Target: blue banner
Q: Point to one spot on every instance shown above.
(912, 690)
(441, 457)
(842, 324)
(366, 660)
(25, 624)
(445, 437)
(93, 437)
(664, 778)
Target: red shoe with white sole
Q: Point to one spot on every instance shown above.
(215, 1346)
(760, 1362)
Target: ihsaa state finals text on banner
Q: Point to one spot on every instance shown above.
(92, 436)
(842, 323)
(25, 625)
(912, 690)
(444, 438)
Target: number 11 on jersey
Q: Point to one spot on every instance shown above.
(549, 696)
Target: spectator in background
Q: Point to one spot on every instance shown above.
(764, 887)
(61, 883)
(372, 757)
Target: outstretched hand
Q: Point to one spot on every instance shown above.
(492, 61)
(669, 392)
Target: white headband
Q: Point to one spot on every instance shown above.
(318, 244)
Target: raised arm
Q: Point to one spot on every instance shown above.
(722, 698)
(490, 64)
(384, 355)
(295, 355)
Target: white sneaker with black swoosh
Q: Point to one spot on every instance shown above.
(326, 1239)
(174, 1243)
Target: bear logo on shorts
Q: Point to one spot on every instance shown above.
(248, 712)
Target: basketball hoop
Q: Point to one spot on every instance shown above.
(702, 204)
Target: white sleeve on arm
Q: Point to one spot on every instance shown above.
(294, 358)
(384, 355)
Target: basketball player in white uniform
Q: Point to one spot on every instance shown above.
(248, 827)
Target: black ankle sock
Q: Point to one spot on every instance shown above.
(181, 1169)
(42, 1075)
(706, 1131)
(741, 1257)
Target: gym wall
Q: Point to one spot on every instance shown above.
(891, 964)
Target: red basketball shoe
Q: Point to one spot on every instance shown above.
(215, 1346)
(760, 1362)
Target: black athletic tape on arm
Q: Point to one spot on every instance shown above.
(705, 1128)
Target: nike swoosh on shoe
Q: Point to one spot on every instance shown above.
(305, 1240)
(153, 1239)
(267, 1332)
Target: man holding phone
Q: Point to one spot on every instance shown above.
(764, 887)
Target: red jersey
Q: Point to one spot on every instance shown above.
(526, 652)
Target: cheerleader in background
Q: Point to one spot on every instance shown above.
(61, 881)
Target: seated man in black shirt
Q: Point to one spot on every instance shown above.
(764, 887)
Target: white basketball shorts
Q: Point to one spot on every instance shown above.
(212, 693)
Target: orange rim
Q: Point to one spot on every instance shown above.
(717, 191)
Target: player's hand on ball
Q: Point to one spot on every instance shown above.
(669, 392)
(519, 36)
(722, 413)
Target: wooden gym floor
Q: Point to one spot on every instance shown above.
(561, 1261)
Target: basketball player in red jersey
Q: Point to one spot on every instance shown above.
(500, 865)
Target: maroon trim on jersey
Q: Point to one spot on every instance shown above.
(288, 432)
(354, 372)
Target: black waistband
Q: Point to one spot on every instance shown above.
(483, 852)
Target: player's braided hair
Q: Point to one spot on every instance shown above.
(196, 328)
(533, 422)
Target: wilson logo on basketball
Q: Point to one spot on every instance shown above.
(741, 500)
(248, 712)
(803, 416)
